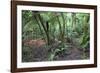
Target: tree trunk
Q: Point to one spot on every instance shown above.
(37, 20)
(60, 28)
(63, 29)
(45, 29)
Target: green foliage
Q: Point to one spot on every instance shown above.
(67, 27)
(85, 37)
(60, 49)
(84, 41)
(26, 54)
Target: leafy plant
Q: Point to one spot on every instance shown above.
(60, 49)
(84, 41)
(70, 28)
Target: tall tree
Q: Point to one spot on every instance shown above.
(45, 26)
(63, 28)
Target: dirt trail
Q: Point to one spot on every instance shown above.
(41, 53)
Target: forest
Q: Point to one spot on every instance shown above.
(55, 36)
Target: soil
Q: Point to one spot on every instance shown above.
(72, 52)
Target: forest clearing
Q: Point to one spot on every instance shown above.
(55, 36)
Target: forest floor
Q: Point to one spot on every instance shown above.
(36, 54)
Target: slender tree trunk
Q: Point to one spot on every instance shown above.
(74, 21)
(63, 29)
(36, 18)
(73, 27)
(39, 20)
(45, 29)
(60, 29)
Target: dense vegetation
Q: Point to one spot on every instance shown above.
(53, 36)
